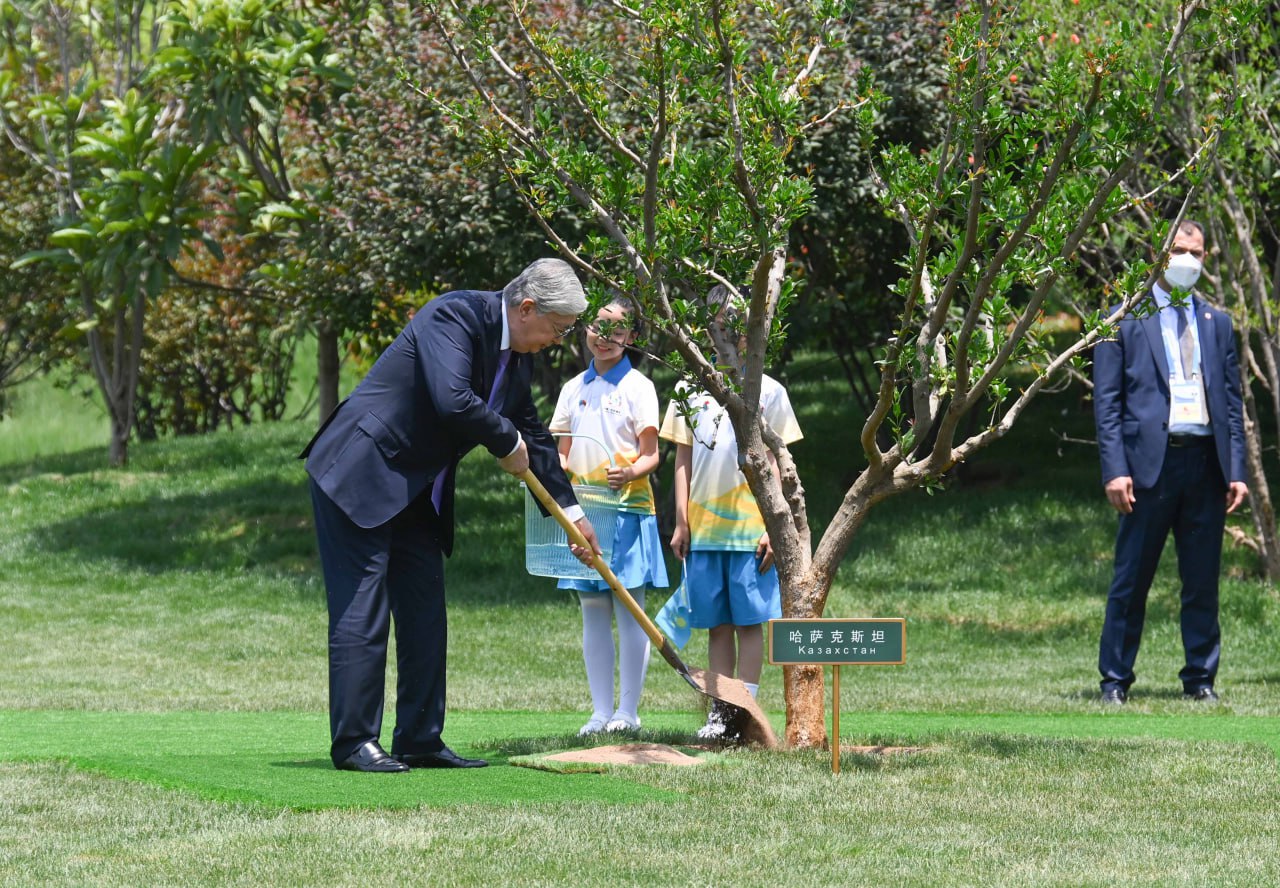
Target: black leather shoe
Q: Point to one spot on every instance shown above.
(1201, 695)
(1115, 696)
(371, 758)
(445, 758)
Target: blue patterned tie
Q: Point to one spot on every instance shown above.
(1186, 343)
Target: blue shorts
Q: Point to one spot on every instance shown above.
(727, 587)
(637, 559)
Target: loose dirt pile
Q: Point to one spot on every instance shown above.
(628, 754)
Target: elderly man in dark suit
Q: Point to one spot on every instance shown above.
(1171, 437)
(382, 476)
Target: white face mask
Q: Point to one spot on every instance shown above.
(1183, 271)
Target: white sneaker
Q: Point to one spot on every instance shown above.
(622, 722)
(595, 726)
(713, 729)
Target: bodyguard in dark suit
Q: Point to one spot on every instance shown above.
(1171, 437)
(382, 473)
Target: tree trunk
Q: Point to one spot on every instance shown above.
(115, 361)
(327, 368)
(119, 450)
(1254, 313)
(805, 693)
(806, 598)
(1263, 510)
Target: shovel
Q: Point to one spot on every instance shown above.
(744, 715)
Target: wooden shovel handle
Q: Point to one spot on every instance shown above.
(575, 536)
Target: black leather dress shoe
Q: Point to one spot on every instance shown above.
(371, 758)
(1201, 695)
(1115, 696)
(445, 758)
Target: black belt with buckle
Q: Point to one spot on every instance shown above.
(1190, 440)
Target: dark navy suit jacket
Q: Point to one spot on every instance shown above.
(421, 408)
(1131, 396)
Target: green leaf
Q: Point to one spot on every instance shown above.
(56, 256)
(70, 235)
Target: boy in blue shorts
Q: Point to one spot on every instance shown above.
(719, 534)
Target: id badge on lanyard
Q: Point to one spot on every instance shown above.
(1187, 401)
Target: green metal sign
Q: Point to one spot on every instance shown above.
(869, 642)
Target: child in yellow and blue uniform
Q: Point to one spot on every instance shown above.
(729, 571)
(611, 413)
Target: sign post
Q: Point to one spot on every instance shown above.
(813, 642)
(835, 718)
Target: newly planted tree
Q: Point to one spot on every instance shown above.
(670, 132)
(1240, 196)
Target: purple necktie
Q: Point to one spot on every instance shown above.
(504, 357)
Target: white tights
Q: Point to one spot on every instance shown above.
(598, 610)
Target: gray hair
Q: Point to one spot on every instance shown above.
(552, 286)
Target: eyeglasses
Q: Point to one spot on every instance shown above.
(562, 333)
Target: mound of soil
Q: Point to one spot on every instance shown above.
(628, 754)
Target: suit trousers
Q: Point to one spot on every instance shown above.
(372, 576)
(1189, 499)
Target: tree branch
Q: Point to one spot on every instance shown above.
(592, 119)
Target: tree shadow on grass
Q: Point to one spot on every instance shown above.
(1139, 696)
(261, 445)
(1263, 679)
(264, 526)
(79, 462)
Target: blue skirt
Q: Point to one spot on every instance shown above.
(637, 556)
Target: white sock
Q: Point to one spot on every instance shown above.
(753, 688)
(633, 658)
(597, 650)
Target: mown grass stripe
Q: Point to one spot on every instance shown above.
(279, 758)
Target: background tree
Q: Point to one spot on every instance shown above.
(220, 348)
(1241, 195)
(418, 212)
(76, 100)
(365, 205)
(678, 156)
(258, 76)
(32, 318)
(1235, 183)
(843, 248)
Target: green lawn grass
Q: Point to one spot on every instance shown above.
(162, 705)
(272, 757)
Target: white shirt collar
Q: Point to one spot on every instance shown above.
(506, 331)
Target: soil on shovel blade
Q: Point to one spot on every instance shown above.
(748, 722)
